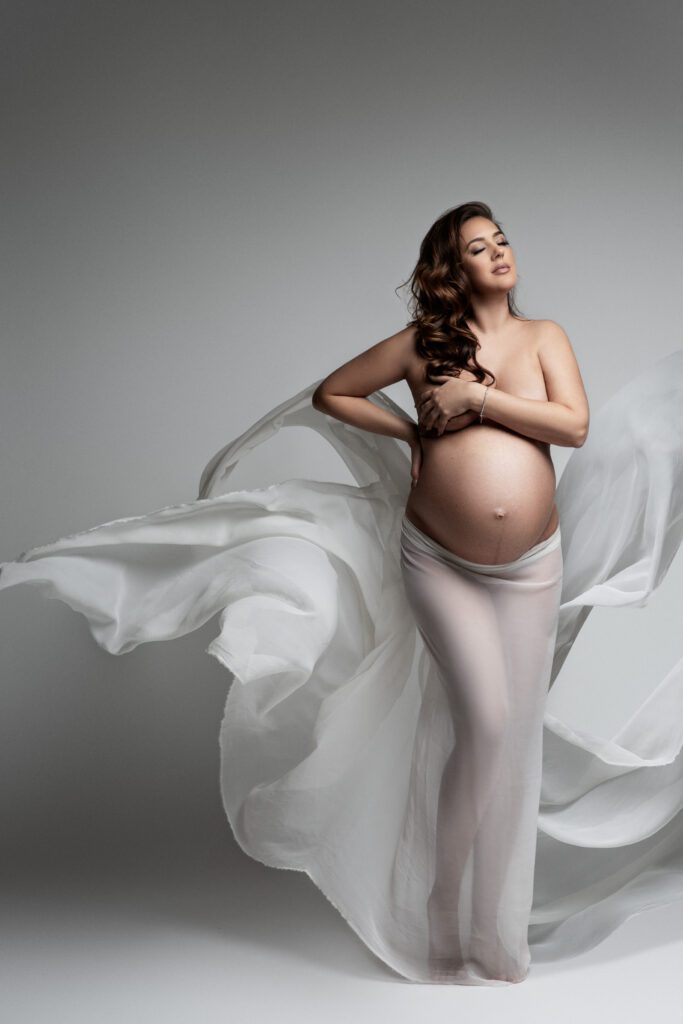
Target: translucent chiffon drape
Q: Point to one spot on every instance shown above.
(336, 727)
(490, 632)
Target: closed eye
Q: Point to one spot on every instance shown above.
(475, 252)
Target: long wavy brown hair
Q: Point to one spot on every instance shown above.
(440, 301)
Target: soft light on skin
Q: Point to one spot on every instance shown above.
(564, 418)
(484, 247)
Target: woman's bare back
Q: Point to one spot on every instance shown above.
(486, 492)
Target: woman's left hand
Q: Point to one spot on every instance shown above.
(450, 398)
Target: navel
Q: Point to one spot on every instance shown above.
(499, 512)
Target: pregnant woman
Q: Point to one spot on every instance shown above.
(481, 563)
(391, 640)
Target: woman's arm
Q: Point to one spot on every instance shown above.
(343, 393)
(562, 419)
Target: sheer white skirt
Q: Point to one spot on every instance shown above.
(339, 742)
(490, 630)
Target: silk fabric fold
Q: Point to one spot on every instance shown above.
(336, 726)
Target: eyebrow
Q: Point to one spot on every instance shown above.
(481, 238)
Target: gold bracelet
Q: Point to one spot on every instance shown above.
(481, 411)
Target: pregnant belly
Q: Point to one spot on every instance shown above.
(485, 493)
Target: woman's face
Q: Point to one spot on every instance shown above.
(485, 251)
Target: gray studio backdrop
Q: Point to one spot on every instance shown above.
(207, 206)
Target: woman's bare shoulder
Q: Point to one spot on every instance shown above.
(545, 326)
(540, 332)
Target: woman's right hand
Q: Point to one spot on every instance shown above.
(465, 419)
(460, 422)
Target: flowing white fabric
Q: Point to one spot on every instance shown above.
(333, 739)
(490, 631)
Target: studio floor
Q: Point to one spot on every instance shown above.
(214, 936)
